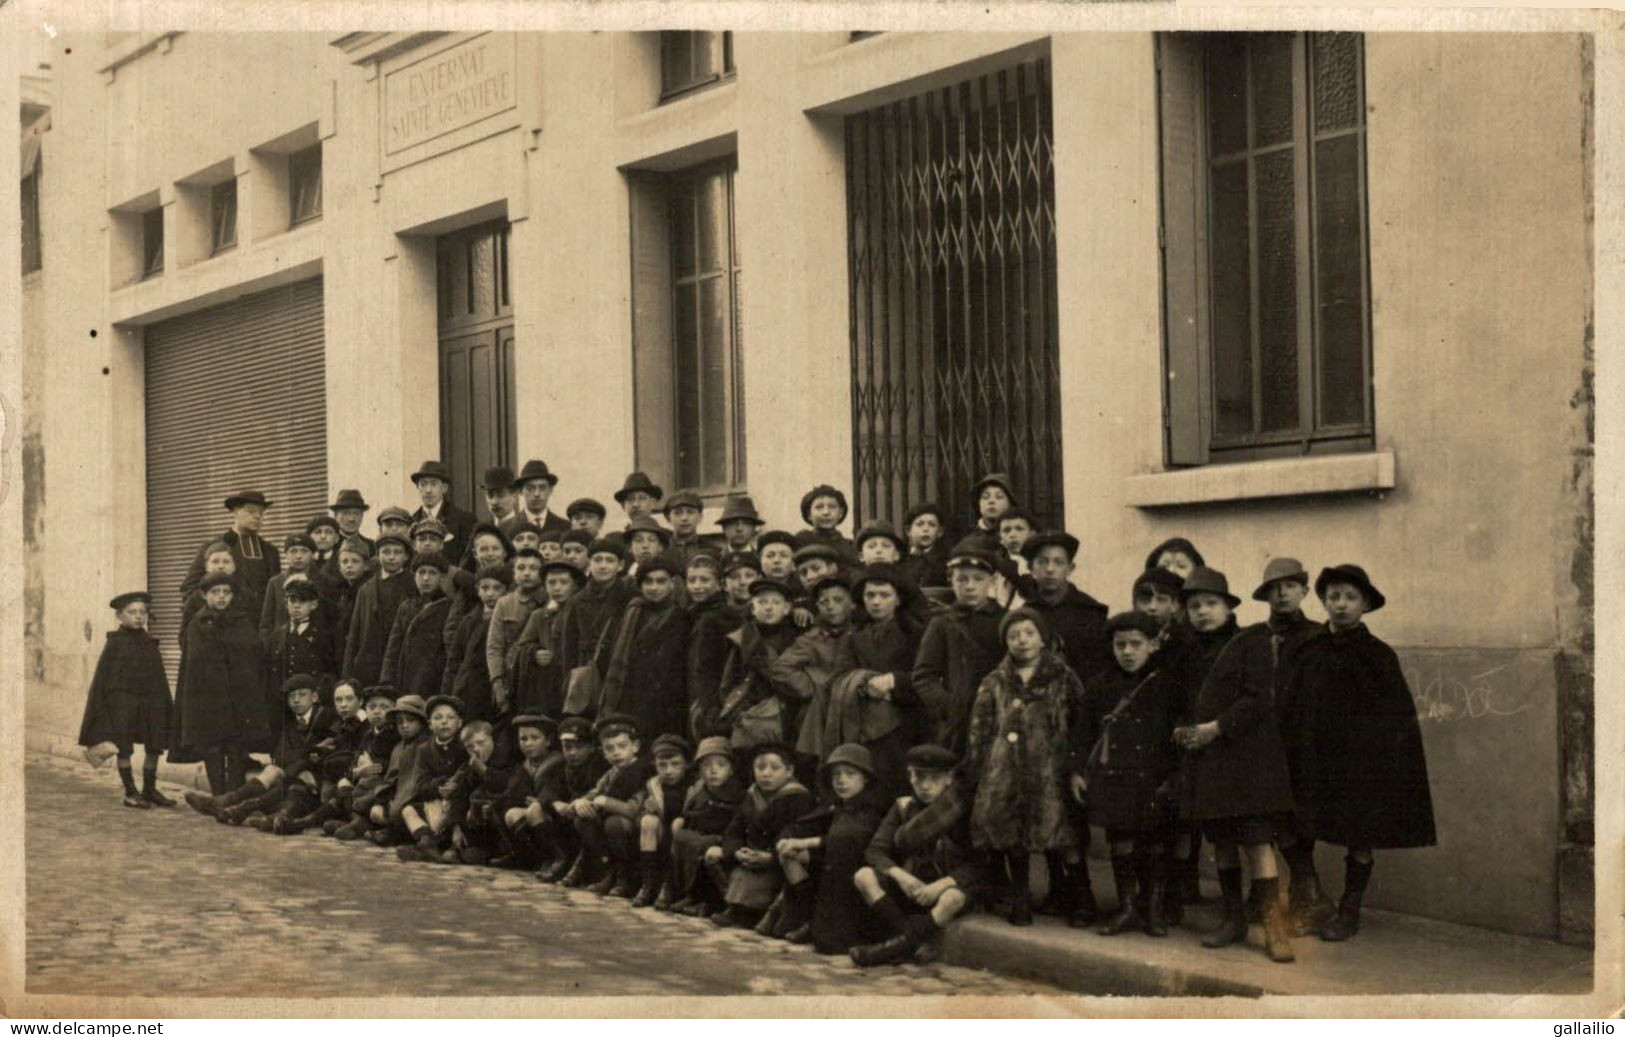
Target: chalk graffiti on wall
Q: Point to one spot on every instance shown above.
(1447, 693)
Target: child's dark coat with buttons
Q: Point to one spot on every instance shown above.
(415, 656)
(1137, 753)
(222, 684)
(1242, 773)
(957, 650)
(375, 606)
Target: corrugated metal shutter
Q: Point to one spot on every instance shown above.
(236, 399)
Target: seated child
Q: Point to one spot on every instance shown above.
(373, 807)
(661, 805)
(421, 810)
(339, 750)
(471, 795)
(129, 700)
(606, 818)
(823, 850)
(773, 801)
(708, 808)
(919, 871)
(1122, 764)
(365, 772)
(288, 783)
(525, 810)
(583, 766)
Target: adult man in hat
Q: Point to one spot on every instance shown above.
(535, 485)
(349, 508)
(1077, 620)
(433, 482)
(638, 495)
(740, 523)
(499, 492)
(257, 559)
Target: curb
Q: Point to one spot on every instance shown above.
(186, 775)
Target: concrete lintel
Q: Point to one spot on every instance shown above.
(1254, 480)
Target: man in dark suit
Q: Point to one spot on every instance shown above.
(349, 508)
(535, 485)
(257, 560)
(433, 482)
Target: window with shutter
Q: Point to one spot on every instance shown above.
(1266, 295)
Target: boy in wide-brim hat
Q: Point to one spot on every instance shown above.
(129, 700)
(371, 811)
(739, 523)
(638, 495)
(708, 808)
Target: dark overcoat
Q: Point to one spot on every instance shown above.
(222, 688)
(1137, 754)
(930, 567)
(338, 609)
(252, 573)
(466, 674)
(710, 623)
(1017, 753)
(129, 695)
(958, 649)
(299, 747)
(840, 918)
(312, 652)
(1077, 624)
(1242, 773)
(537, 688)
(764, 817)
(415, 657)
(929, 841)
(747, 700)
(375, 606)
(583, 620)
(546, 785)
(708, 811)
(647, 676)
(1359, 769)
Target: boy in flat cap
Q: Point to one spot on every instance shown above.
(349, 508)
(1156, 593)
(396, 521)
(524, 810)
(739, 523)
(129, 700)
(1122, 763)
(776, 555)
(683, 510)
(926, 557)
(415, 656)
(300, 643)
(646, 673)
(606, 818)
(364, 773)
(221, 705)
(376, 602)
(586, 515)
(878, 543)
(498, 488)
(1077, 621)
(583, 766)
(256, 559)
(773, 802)
(708, 809)
(1359, 769)
(508, 618)
(433, 483)
(638, 496)
(824, 508)
(747, 706)
(535, 484)
(919, 870)
(959, 647)
(574, 547)
(296, 762)
(589, 613)
(659, 807)
(299, 563)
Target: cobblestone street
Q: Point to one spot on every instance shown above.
(169, 902)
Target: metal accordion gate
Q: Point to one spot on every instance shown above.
(951, 238)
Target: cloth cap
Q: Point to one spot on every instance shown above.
(741, 560)
(972, 551)
(1050, 538)
(394, 514)
(579, 728)
(775, 536)
(540, 721)
(680, 498)
(767, 584)
(575, 572)
(780, 749)
(930, 757)
(1015, 616)
(300, 590)
(392, 538)
(1144, 622)
(299, 682)
(118, 603)
(716, 745)
(608, 545)
(378, 691)
(929, 507)
(446, 700)
(1162, 579)
(320, 521)
(427, 527)
(1180, 544)
(811, 552)
(499, 572)
(213, 580)
(576, 536)
(658, 564)
(429, 560)
(821, 490)
(672, 745)
(853, 755)
(614, 724)
(587, 505)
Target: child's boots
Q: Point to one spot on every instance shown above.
(651, 884)
(1127, 916)
(1154, 879)
(1085, 912)
(914, 931)
(1175, 895)
(768, 924)
(1021, 900)
(261, 804)
(216, 805)
(1356, 876)
(317, 818)
(149, 790)
(425, 847)
(1061, 897)
(1276, 944)
(1311, 908)
(795, 923)
(1232, 928)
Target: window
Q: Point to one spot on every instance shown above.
(1266, 290)
(32, 259)
(223, 216)
(152, 242)
(305, 184)
(686, 328)
(694, 59)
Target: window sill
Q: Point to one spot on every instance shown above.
(1258, 480)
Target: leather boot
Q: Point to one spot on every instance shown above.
(1155, 878)
(894, 949)
(356, 828)
(606, 882)
(262, 804)
(149, 790)
(314, 819)
(770, 918)
(1021, 901)
(556, 870)
(215, 805)
(667, 897)
(1356, 876)
(1232, 927)
(1127, 915)
(577, 875)
(798, 909)
(1276, 944)
(626, 881)
(1061, 898)
(649, 866)
(1084, 910)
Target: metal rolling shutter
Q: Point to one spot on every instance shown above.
(235, 400)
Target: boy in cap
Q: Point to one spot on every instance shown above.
(550, 545)
(508, 618)
(221, 705)
(824, 849)
(993, 495)
(773, 802)
(433, 483)
(1077, 620)
(587, 516)
(1156, 593)
(376, 602)
(1176, 554)
(424, 810)
(740, 523)
(256, 560)
(375, 793)
(428, 536)
(878, 544)
(646, 668)
(776, 557)
(1359, 770)
(574, 545)
(660, 806)
(583, 766)
(337, 753)
(638, 496)
(525, 536)
(129, 700)
(919, 871)
(352, 567)
(824, 508)
(926, 561)
(524, 810)
(349, 508)
(497, 486)
(592, 609)
(470, 797)
(415, 656)
(708, 809)
(535, 484)
(606, 818)
(300, 643)
(365, 771)
(1122, 763)
(396, 521)
(468, 674)
(959, 647)
(747, 706)
(683, 510)
(486, 547)
(702, 580)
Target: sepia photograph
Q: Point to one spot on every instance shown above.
(806, 510)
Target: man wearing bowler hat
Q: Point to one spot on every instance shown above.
(348, 509)
(433, 482)
(257, 560)
(535, 485)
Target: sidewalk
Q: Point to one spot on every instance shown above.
(1393, 953)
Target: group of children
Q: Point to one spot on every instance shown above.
(842, 742)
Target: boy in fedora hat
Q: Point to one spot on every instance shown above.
(497, 485)
(415, 655)
(129, 700)
(433, 483)
(375, 809)
(256, 559)
(824, 508)
(960, 646)
(926, 558)
(1236, 787)
(638, 495)
(1359, 768)
(606, 818)
(349, 508)
(586, 515)
(660, 805)
(773, 802)
(740, 523)
(919, 871)
(708, 808)
(535, 483)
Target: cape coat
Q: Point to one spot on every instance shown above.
(222, 685)
(129, 694)
(958, 649)
(1242, 773)
(646, 675)
(1017, 753)
(1359, 769)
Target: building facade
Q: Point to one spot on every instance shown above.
(1325, 295)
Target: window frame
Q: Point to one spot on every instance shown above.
(33, 236)
(301, 165)
(223, 216)
(152, 259)
(672, 87)
(1186, 239)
